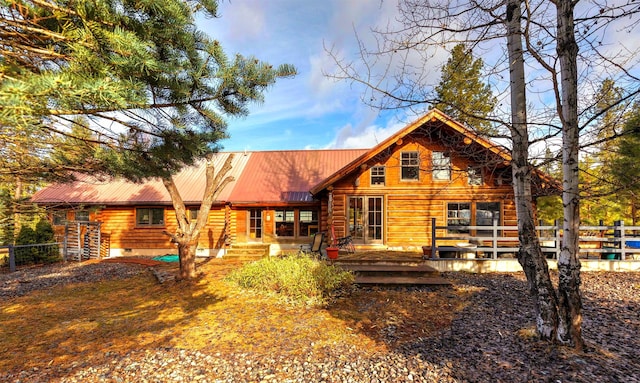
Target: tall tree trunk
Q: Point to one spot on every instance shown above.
(530, 254)
(17, 197)
(570, 301)
(187, 234)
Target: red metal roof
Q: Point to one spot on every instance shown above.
(91, 191)
(274, 176)
(288, 175)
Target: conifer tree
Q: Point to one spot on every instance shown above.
(462, 94)
(154, 90)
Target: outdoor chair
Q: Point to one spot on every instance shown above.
(315, 246)
(346, 243)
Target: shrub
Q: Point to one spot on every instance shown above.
(300, 279)
(37, 254)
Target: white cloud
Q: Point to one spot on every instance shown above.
(244, 20)
(364, 136)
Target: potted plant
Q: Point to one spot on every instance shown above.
(332, 249)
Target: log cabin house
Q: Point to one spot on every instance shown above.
(384, 197)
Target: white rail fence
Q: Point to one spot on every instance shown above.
(614, 242)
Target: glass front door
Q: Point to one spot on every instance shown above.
(365, 219)
(255, 224)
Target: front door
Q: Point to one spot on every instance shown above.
(365, 219)
(255, 224)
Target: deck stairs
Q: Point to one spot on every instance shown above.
(393, 273)
(248, 251)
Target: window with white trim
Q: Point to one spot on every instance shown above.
(458, 214)
(441, 166)
(378, 175)
(285, 223)
(410, 166)
(308, 222)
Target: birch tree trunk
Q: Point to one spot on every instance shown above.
(188, 233)
(530, 254)
(569, 299)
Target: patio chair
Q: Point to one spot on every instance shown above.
(315, 246)
(346, 243)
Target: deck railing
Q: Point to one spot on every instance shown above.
(605, 242)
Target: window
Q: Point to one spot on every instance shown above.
(486, 212)
(150, 216)
(410, 164)
(308, 222)
(192, 213)
(285, 223)
(378, 175)
(82, 215)
(59, 217)
(474, 176)
(458, 214)
(441, 166)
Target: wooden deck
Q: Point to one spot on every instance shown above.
(390, 268)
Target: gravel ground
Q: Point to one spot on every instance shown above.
(489, 341)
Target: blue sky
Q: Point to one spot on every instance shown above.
(309, 110)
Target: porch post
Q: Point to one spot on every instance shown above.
(433, 238)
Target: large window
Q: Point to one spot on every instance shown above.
(486, 213)
(483, 214)
(441, 166)
(378, 175)
(149, 216)
(285, 223)
(458, 214)
(308, 222)
(410, 164)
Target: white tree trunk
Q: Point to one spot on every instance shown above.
(530, 255)
(570, 301)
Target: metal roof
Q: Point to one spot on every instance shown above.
(288, 175)
(90, 190)
(260, 177)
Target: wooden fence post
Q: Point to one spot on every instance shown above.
(494, 241)
(12, 259)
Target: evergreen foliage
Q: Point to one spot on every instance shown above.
(626, 167)
(461, 93)
(169, 83)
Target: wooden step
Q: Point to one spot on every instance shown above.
(248, 251)
(400, 280)
(383, 267)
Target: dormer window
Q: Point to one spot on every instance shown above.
(410, 164)
(378, 175)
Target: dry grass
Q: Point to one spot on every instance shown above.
(84, 322)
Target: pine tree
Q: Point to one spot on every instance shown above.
(462, 94)
(626, 167)
(154, 90)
